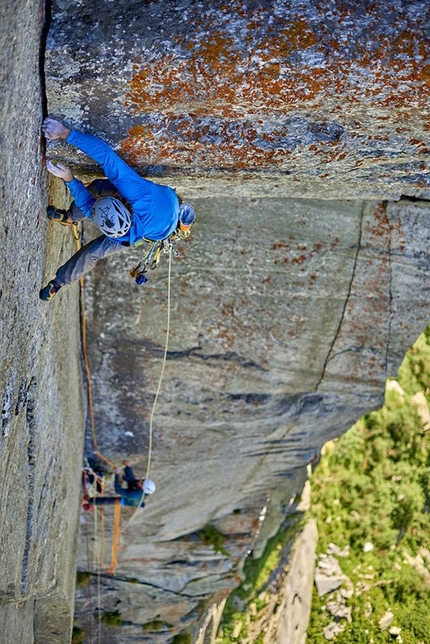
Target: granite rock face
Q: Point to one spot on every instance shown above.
(293, 617)
(284, 326)
(287, 313)
(290, 98)
(41, 436)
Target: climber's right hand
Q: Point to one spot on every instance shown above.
(54, 129)
(59, 170)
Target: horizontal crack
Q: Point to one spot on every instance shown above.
(232, 356)
(141, 583)
(413, 199)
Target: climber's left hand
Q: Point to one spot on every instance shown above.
(60, 170)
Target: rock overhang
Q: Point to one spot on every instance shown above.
(295, 96)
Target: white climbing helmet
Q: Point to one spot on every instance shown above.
(149, 486)
(111, 216)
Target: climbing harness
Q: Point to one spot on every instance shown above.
(151, 258)
(152, 255)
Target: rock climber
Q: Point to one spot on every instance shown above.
(132, 495)
(126, 207)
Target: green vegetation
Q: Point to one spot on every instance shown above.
(257, 572)
(155, 625)
(213, 537)
(246, 605)
(82, 578)
(182, 638)
(112, 618)
(78, 635)
(373, 486)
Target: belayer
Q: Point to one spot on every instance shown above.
(127, 208)
(132, 495)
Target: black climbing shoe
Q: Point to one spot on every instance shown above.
(60, 216)
(48, 291)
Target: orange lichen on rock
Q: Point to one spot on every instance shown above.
(181, 142)
(201, 91)
(295, 36)
(215, 69)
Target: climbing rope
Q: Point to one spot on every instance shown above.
(77, 238)
(157, 393)
(88, 374)
(166, 347)
(97, 567)
(116, 531)
(117, 513)
(86, 361)
(90, 610)
(99, 539)
(102, 529)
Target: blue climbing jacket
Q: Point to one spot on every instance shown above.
(132, 498)
(155, 207)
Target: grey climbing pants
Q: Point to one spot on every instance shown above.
(84, 260)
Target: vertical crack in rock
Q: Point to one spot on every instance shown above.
(22, 397)
(31, 465)
(348, 295)
(45, 20)
(6, 410)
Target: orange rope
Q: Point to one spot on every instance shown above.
(102, 529)
(77, 238)
(93, 425)
(88, 373)
(117, 513)
(106, 460)
(90, 610)
(86, 360)
(116, 530)
(97, 568)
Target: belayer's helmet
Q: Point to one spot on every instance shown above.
(111, 216)
(148, 486)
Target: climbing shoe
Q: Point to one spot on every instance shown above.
(48, 291)
(60, 216)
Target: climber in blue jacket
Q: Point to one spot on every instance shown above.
(126, 207)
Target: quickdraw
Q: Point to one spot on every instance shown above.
(151, 258)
